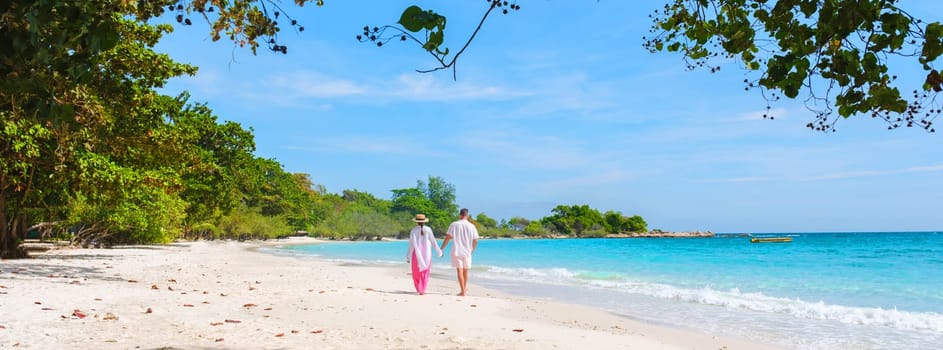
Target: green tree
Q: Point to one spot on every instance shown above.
(486, 221)
(358, 221)
(411, 201)
(838, 54)
(635, 223)
(249, 223)
(614, 221)
(518, 223)
(440, 192)
(574, 219)
(277, 193)
(618, 223)
(79, 80)
(367, 199)
(214, 153)
(534, 228)
(79, 93)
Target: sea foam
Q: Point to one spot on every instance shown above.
(732, 298)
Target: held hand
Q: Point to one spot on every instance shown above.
(440, 254)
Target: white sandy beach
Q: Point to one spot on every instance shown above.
(225, 295)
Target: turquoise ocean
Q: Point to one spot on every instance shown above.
(852, 290)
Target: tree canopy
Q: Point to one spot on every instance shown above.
(838, 56)
(87, 144)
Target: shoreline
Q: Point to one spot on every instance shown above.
(189, 295)
(653, 234)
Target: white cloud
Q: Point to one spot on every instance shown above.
(426, 87)
(409, 87)
(591, 180)
(528, 152)
(872, 173)
(574, 93)
(371, 145)
(833, 176)
(314, 85)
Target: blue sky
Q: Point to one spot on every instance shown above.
(559, 104)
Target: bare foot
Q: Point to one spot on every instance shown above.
(461, 294)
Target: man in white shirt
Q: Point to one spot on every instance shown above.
(465, 235)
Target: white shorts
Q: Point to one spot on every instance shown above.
(461, 262)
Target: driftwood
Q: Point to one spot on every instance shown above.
(91, 236)
(45, 229)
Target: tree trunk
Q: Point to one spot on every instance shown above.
(10, 234)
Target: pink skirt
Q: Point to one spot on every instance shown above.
(420, 278)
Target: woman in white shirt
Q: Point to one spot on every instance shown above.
(421, 242)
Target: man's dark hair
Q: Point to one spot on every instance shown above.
(463, 212)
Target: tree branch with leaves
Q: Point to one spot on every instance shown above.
(431, 25)
(838, 53)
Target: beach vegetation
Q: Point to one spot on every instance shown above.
(597, 232)
(618, 223)
(90, 149)
(435, 198)
(534, 228)
(486, 221)
(250, 223)
(85, 138)
(498, 232)
(573, 219)
(517, 223)
(440, 193)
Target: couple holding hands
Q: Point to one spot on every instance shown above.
(464, 237)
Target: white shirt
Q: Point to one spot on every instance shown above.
(422, 244)
(463, 234)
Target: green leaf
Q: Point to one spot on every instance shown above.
(435, 39)
(747, 56)
(411, 19)
(933, 46)
(808, 7)
(761, 15)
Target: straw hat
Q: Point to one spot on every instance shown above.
(421, 218)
